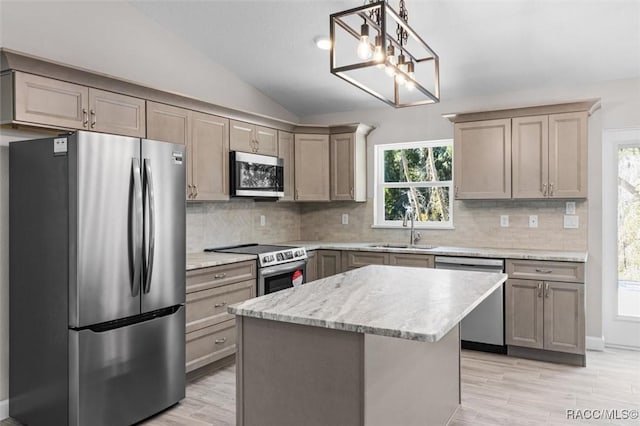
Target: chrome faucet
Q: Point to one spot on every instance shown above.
(409, 215)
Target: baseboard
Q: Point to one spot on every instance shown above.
(4, 409)
(628, 348)
(594, 343)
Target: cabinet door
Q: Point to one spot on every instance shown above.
(357, 259)
(168, 123)
(241, 136)
(286, 152)
(564, 324)
(342, 167)
(267, 141)
(530, 157)
(209, 157)
(524, 313)
(50, 102)
(414, 260)
(482, 159)
(115, 113)
(568, 155)
(312, 266)
(312, 167)
(329, 262)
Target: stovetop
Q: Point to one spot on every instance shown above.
(268, 255)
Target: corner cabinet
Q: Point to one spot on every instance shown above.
(482, 160)
(42, 101)
(550, 156)
(311, 167)
(348, 167)
(287, 153)
(328, 262)
(207, 139)
(247, 137)
(211, 332)
(545, 306)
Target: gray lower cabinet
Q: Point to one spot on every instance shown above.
(542, 313)
(356, 259)
(210, 329)
(413, 260)
(312, 266)
(329, 262)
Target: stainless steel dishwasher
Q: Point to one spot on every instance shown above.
(483, 328)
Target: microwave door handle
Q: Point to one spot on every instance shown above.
(152, 214)
(135, 232)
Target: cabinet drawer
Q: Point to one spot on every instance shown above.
(210, 344)
(209, 307)
(547, 271)
(357, 259)
(202, 279)
(415, 260)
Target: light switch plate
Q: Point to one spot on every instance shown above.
(571, 207)
(345, 218)
(504, 220)
(571, 221)
(263, 220)
(533, 221)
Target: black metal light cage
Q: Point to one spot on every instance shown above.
(385, 10)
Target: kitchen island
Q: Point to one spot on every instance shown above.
(379, 345)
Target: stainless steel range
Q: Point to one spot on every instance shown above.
(279, 267)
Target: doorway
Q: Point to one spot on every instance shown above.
(621, 237)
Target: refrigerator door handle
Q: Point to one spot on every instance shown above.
(152, 212)
(135, 231)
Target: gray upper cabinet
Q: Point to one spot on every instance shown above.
(53, 103)
(286, 152)
(482, 159)
(348, 167)
(168, 123)
(550, 156)
(311, 167)
(247, 137)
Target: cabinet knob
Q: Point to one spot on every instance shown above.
(219, 341)
(220, 305)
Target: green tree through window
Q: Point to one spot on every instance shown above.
(417, 174)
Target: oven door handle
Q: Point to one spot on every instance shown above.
(279, 269)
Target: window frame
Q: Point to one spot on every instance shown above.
(380, 185)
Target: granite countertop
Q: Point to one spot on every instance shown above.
(207, 259)
(410, 303)
(549, 255)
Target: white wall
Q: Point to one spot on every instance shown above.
(620, 106)
(114, 38)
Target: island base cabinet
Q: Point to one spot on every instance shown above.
(291, 375)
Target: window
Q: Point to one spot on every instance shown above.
(416, 175)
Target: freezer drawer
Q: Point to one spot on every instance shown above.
(123, 375)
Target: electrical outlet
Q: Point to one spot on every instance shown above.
(571, 221)
(504, 220)
(263, 220)
(533, 221)
(571, 207)
(345, 218)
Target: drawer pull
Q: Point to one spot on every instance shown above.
(220, 305)
(220, 341)
(218, 276)
(544, 271)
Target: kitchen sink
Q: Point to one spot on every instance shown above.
(403, 246)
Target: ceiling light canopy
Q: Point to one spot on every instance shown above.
(400, 69)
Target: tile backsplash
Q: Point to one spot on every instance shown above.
(218, 224)
(477, 224)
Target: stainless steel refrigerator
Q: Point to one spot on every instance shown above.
(97, 279)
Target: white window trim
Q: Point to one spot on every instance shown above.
(379, 185)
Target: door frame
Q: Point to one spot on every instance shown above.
(621, 331)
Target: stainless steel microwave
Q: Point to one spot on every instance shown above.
(256, 176)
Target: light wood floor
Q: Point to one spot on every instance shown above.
(496, 390)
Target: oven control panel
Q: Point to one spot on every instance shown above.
(282, 256)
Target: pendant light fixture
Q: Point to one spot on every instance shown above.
(400, 69)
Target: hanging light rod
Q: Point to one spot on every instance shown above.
(375, 19)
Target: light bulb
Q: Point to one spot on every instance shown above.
(378, 54)
(400, 78)
(364, 47)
